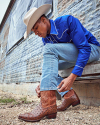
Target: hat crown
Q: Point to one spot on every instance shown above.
(28, 15)
(33, 15)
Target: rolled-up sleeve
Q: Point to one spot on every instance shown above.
(77, 34)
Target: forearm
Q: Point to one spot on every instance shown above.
(73, 76)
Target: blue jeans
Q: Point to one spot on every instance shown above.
(58, 57)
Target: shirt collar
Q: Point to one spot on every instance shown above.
(53, 28)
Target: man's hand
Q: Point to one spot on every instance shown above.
(67, 83)
(38, 91)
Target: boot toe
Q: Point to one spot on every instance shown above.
(25, 116)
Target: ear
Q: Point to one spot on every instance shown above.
(43, 19)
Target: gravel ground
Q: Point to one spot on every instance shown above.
(78, 115)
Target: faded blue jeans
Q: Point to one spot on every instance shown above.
(58, 57)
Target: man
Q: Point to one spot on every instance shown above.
(67, 43)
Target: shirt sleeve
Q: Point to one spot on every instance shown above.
(78, 37)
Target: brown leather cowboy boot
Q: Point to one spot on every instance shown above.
(70, 98)
(47, 107)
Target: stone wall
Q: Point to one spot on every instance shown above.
(23, 64)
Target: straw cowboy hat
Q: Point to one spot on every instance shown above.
(33, 15)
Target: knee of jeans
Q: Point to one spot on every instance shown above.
(48, 48)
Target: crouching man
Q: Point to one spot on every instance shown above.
(66, 43)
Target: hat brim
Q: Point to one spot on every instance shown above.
(35, 16)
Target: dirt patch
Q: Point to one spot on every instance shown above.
(78, 115)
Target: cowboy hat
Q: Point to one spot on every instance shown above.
(33, 15)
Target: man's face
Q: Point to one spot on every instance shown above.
(40, 28)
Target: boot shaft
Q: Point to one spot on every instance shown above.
(48, 98)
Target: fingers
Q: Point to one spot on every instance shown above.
(59, 86)
(62, 89)
(38, 91)
(63, 86)
(38, 95)
(37, 88)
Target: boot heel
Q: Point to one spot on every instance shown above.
(51, 116)
(76, 103)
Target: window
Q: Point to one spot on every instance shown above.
(17, 27)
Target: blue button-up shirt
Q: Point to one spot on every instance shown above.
(67, 29)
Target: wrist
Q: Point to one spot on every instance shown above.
(73, 76)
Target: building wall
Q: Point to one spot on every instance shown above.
(23, 65)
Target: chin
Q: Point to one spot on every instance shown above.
(44, 36)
